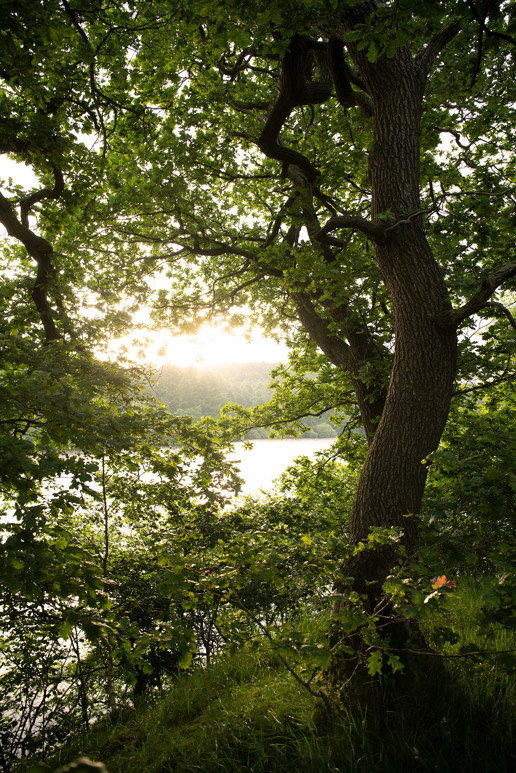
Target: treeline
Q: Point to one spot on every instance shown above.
(198, 392)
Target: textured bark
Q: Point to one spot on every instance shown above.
(391, 484)
(353, 347)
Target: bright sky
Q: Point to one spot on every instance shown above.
(212, 345)
(20, 173)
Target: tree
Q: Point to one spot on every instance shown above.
(298, 161)
(346, 168)
(87, 463)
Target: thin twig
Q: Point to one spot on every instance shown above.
(263, 628)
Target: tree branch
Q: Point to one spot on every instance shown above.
(482, 22)
(241, 61)
(278, 221)
(487, 384)
(28, 202)
(504, 310)
(436, 45)
(316, 693)
(453, 317)
(455, 134)
(302, 414)
(41, 251)
(220, 249)
(296, 89)
(375, 231)
(245, 107)
(343, 76)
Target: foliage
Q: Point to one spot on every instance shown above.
(85, 455)
(234, 389)
(138, 574)
(343, 175)
(470, 499)
(246, 711)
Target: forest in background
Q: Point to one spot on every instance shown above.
(200, 391)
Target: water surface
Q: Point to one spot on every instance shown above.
(267, 459)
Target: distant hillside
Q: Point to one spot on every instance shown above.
(197, 391)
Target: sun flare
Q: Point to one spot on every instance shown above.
(211, 345)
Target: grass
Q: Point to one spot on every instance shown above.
(247, 713)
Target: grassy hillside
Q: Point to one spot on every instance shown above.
(246, 712)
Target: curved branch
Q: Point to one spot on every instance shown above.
(241, 61)
(41, 251)
(298, 416)
(455, 134)
(347, 354)
(220, 249)
(504, 310)
(298, 87)
(375, 231)
(295, 89)
(453, 317)
(226, 249)
(343, 76)
(481, 19)
(436, 45)
(28, 202)
(245, 107)
(278, 221)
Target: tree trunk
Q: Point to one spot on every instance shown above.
(391, 483)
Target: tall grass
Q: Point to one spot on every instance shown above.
(247, 713)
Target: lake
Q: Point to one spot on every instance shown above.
(267, 459)
(259, 466)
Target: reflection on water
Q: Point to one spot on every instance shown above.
(267, 459)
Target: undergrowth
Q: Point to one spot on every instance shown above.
(247, 713)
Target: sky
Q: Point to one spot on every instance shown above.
(212, 345)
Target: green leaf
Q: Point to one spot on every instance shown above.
(372, 51)
(374, 663)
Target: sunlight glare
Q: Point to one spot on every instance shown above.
(210, 346)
